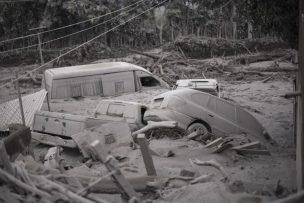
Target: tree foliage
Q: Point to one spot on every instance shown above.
(213, 18)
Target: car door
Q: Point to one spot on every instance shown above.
(222, 116)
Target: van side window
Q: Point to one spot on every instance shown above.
(148, 81)
(119, 87)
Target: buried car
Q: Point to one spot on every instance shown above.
(198, 111)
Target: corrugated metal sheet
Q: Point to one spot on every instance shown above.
(10, 111)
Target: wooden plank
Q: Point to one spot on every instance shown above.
(53, 140)
(126, 188)
(253, 151)
(300, 110)
(146, 154)
(222, 147)
(250, 145)
(193, 135)
(153, 125)
(215, 142)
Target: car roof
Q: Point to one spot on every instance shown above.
(112, 101)
(183, 81)
(184, 92)
(187, 92)
(93, 69)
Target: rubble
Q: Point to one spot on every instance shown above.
(156, 168)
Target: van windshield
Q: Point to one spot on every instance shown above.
(148, 81)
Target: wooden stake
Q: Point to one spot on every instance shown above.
(146, 154)
(20, 100)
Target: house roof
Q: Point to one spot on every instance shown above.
(92, 69)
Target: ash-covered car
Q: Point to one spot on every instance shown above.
(198, 111)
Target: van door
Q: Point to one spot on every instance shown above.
(118, 83)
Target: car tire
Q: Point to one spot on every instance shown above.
(198, 127)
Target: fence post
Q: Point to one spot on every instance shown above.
(20, 100)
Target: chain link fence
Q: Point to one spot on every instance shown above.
(16, 107)
(11, 109)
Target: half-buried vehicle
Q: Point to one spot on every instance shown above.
(199, 111)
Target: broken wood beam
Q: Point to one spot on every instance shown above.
(212, 163)
(222, 147)
(46, 184)
(10, 179)
(255, 144)
(85, 191)
(125, 187)
(215, 142)
(145, 54)
(193, 135)
(252, 151)
(53, 140)
(146, 154)
(152, 125)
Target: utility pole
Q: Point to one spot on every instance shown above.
(40, 51)
(39, 43)
(300, 101)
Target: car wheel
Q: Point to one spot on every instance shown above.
(198, 127)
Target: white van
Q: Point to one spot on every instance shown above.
(204, 85)
(104, 79)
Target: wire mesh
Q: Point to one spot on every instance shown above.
(10, 109)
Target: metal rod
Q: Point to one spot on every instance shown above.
(47, 95)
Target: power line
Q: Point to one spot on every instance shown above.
(66, 26)
(74, 33)
(16, 1)
(81, 45)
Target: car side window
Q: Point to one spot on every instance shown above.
(200, 99)
(226, 109)
(176, 102)
(116, 110)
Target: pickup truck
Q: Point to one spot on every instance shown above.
(66, 125)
